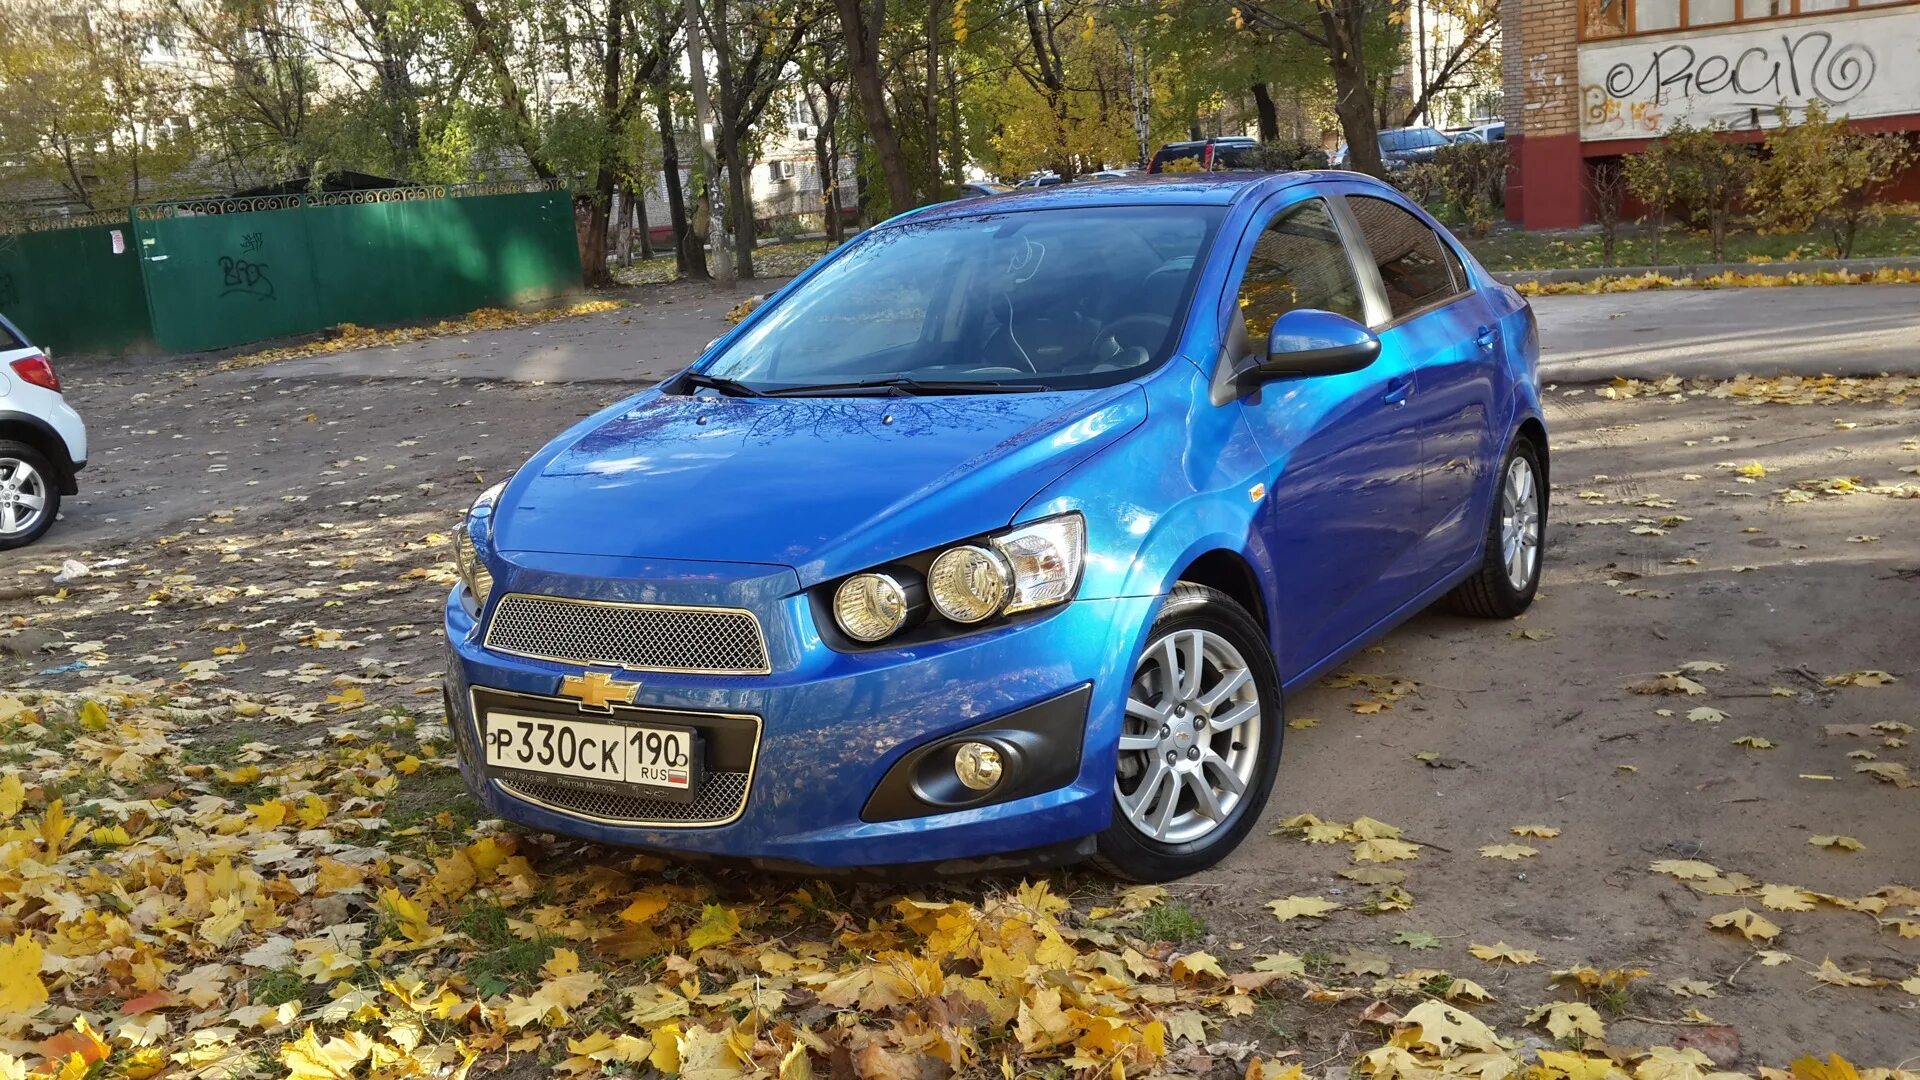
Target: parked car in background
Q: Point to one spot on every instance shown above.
(975, 189)
(1485, 133)
(1041, 179)
(1400, 147)
(43, 442)
(1214, 155)
(1001, 534)
(1105, 174)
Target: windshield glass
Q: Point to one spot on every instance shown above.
(1063, 298)
(1411, 139)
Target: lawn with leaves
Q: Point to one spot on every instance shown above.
(233, 842)
(1516, 249)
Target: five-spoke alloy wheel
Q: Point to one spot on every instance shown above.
(1509, 572)
(1199, 742)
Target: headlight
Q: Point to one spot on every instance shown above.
(870, 606)
(466, 551)
(1031, 566)
(1045, 557)
(969, 583)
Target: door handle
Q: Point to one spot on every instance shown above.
(1398, 391)
(1487, 338)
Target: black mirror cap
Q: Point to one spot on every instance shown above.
(1307, 341)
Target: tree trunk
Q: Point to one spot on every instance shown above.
(863, 64)
(739, 201)
(705, 180)
(1343, 20)
(687, 256)
(623, 233)
(1269, 116)
(645, 230)
(512, 101)
(608, 167)
(936, 13)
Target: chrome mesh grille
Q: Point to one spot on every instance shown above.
(721, 798)
(642, 637)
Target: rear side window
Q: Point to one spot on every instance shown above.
(1170, 154)
(1411, 258)
(1298, 262)
(1232, 156)
(9, 339)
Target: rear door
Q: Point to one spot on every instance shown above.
(1444, 326)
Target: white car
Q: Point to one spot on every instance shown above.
(43, 442)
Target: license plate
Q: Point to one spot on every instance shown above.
(592, 753)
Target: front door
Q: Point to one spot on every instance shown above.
(1343, 451)
(1440, 318)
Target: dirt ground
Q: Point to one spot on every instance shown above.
(307, 519)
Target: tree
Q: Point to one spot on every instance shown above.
(1820, 172)
(860, 24)
(80, 109)
(754, 55)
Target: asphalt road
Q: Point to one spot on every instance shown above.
(1858, 329)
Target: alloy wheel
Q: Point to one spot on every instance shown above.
(1191, 739)
(23, 497)
(1520, 523)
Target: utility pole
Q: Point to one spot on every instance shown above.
(721, 256)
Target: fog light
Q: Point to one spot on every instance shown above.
(977, 765)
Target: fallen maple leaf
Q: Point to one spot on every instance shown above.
(1501, 951)
(1568, 1018)
(1295, 907)
(1837, 843)
(1510, 852)
(1750, 924)
(1543, 832)
(1834, 975)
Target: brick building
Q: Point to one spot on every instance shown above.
(1587, 79)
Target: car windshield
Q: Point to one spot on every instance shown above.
(1059, 298)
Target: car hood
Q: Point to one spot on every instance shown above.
(826, 486)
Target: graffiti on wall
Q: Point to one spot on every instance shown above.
(241, 277)
(1856, 66)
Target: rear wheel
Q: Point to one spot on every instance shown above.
(1199, 744)
(1509, 572)
(29, 495)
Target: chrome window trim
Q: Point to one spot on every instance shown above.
(505, 787)
(759, 633)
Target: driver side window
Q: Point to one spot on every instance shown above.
(1298, 262)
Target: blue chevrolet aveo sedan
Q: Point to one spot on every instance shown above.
(1001, 535)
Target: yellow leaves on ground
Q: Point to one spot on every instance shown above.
(1754, 742)
(1295, 907)
(1786, 898)
(1509, 852)
(1541, 832)
(1567, 1019)
(1444, 1030)
(1834, 975)
(307, 1058)
(1748, 923)
(717, 926)
(348, 336)
(21, 991)
(1861, 678)
(1668, 682)
(1834, 1068)
(1886, 275)
(1837, 843)
(1686, 869)
(1503, 952)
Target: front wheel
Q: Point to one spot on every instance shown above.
(1200, 741)
(1509, 572)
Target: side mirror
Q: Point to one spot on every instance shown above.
(1307, 341)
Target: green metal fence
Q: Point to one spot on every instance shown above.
(73, 284)
(209, 273)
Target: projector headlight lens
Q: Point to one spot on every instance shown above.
(969, 583)
(870, 606)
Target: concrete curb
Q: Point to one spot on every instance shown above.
(1702, 270)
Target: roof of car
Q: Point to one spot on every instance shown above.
(1163, 189)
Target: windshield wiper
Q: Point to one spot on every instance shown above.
(903, 386)
(731, 387)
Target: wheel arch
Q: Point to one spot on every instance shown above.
(1535, 432)
(37, 433)
(1229, 572)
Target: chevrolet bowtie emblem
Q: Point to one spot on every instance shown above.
(599, 690)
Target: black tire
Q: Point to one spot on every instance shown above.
(1489, 593)
(49, 488)
(1122, 851)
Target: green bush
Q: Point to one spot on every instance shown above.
(1649, 177)
(1820, 173)
(1286, 157)
(1472, 177)
(1709, 176)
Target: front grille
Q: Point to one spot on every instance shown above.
(721, 798)
(640, 637)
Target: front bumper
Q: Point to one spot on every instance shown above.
(830, 726)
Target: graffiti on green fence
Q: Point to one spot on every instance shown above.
(244, 278)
